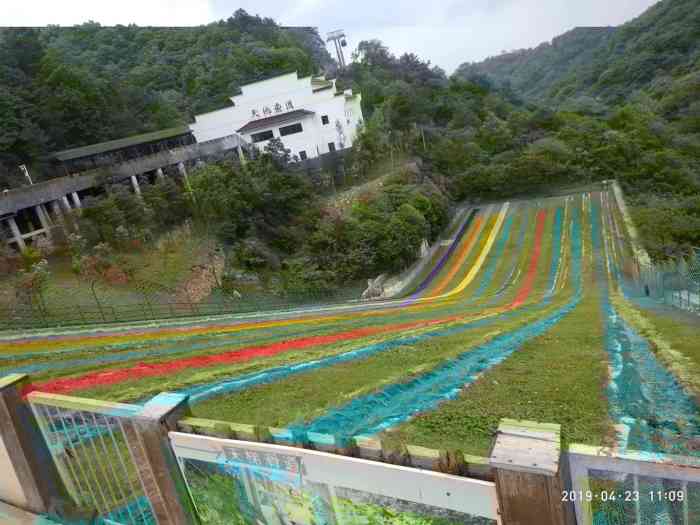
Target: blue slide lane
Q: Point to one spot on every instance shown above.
(202, 392)
(518, 248)
(446, 256)
(642, 394)
(397, 403)
(487, 276)
(556, 249)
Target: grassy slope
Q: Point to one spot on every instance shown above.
(556, 377)
(309, 395)
(674, 337)
(165, 267)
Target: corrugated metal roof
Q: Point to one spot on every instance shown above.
(112, 145)
(275, 119)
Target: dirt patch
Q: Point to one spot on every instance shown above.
(203, 278)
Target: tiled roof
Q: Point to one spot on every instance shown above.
(112, 145)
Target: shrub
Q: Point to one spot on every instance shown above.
(302, 277)
(30, 257)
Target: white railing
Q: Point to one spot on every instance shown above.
(275, 479)
(644, 487)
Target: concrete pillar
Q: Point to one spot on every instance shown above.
(66, 203)
(135, 185)
(525, 461)
(159, 174)
(68, 215)
(57, 212)
(149, 444)
(30, 462)
(76, 200)
(43, 218)
(241, 156)
(16, 234)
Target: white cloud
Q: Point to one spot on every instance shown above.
(446, 32)
(106, 12)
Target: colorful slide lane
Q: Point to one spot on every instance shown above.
(116, 377)
(511, 273)
(100, 378)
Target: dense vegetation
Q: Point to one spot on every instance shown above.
(658, 52)
(64, 87)
(479, 145)
(272, 222)
(469, 141)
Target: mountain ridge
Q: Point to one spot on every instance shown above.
(604, 65)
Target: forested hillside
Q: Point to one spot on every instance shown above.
(479, 145)
(659, 52)
(65, 87)
(531, 73)
(68, 86)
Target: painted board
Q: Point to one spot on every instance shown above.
(245, 482)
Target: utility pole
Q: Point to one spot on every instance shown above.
(339, 41)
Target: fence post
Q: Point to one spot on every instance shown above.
(525, 461)
(149, 444)
(27, 453)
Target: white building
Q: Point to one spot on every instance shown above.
(305, 113)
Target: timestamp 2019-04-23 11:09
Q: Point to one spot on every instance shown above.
(654, 496)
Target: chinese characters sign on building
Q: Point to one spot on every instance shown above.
(267, 111)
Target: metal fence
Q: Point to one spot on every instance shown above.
(34, 315)
(90, 444)
(675, 283)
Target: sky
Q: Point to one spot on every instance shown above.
(446, 32)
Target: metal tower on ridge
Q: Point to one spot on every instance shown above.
(338, 38)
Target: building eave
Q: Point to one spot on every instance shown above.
(273, 120)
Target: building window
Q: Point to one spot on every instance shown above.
(302, 155)
(331, 146)
(291, 130)
(262, 136)
(324, 120)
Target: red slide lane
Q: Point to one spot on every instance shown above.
(529, 280)
(111, 377)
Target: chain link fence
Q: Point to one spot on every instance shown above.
(97, 303)
(675, 283)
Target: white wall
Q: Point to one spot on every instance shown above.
(343, 109)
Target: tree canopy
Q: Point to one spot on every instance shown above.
(63, 87)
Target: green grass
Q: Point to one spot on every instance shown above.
(165, 266)
(557, 377)
(347, 192)
(674, 337)
(308, 395)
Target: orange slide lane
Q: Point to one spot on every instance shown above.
(461, 256)
(529, 281)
